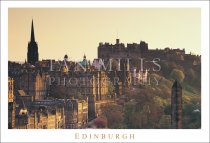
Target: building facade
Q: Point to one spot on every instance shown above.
(33, 83)
(11, 104)
(76, 113)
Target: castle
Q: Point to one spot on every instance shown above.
(141, 50)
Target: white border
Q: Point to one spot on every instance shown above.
(141, 135)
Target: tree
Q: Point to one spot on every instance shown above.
(114, 115)
(167, 109)
(110, 87)
(137, 120)
(58, 91)
(144, 114)
(192, 115)
(78, 95)
(177, 74)
(129, 111)
(190, 75)
(165, 121)
(100, 122)
(165, 68)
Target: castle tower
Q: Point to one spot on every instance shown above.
(176, 106)
(32, 55)
(117, 41)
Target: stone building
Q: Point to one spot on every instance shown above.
(33, 83)
(24, 122)
(52, 109)
(42, 114)
(11, 104)
(89, 84)
(76, 113)
(119, 50)
(135, 50)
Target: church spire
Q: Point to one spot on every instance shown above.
(32, 32)
(32, 54)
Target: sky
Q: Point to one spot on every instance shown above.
(78, 31)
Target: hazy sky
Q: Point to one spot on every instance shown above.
(75, 31)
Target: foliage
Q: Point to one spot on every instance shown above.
(114, 115)
(78, 95)
(192, 115)
(191, 75)
(158, 99)
(100, 122)
(58, 91)
(110, 88)
(145, 113)
(167, 109)
(165, 122)
(177, 74)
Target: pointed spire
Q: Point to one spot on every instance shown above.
(32, 32)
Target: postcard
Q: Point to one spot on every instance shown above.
(104, 73)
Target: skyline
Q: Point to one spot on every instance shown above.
(179, 27)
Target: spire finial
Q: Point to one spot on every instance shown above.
(32, 32)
